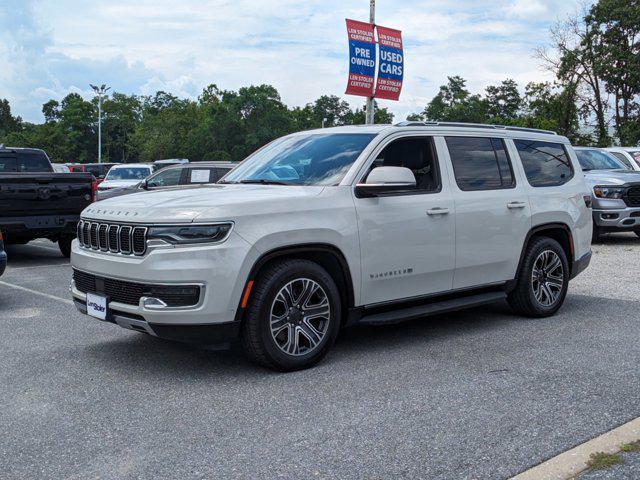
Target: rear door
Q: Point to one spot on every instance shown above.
(493, 215)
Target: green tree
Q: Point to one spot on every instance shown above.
(503, 101)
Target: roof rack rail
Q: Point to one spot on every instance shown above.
(474, 125)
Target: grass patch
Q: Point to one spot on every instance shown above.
(630, 447)
(601, 460)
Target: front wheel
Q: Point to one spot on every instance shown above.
(543, 279)
(293, 316)
(64, 244)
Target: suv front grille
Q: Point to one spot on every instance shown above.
(632, 197)
(109, 237)
(129, 293)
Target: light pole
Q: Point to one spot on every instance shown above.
(370, 114)
(101, 91)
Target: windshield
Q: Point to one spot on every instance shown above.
(598, 160)
(128, 173)
(312, 159)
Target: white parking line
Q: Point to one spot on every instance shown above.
(36, 292)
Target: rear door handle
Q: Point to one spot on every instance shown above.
(437, 211)
(516, 205)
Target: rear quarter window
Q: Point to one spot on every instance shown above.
(546, 164)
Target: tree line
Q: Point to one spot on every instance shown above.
(594, 100)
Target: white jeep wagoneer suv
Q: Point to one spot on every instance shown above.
(326, 228)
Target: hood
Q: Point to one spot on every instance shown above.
(117, 183)
(206, 203)
(611, 177)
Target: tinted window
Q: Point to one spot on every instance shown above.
(8, 164)
(480, 163)
(623, 159)
(201, 175)
(33, 162)
(598, 160)
(221, 172)
(128, 173)
(545, 164)
(306, 159)
(416, 154)
(165, 178)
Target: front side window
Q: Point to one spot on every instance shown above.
(128, 173)
(418, 155)
(311, 159)
(165, 178)
(480, 163)
(621, 157)
(545, 164)
(598, 160)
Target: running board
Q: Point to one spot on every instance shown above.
(443, 306)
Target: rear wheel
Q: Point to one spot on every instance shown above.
(543, 279)
(293, 316)
(64, 244)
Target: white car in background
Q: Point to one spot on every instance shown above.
(125, 175)
(630, 156)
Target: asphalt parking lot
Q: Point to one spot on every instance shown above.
(476, 394)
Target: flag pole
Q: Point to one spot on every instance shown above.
(370, 114)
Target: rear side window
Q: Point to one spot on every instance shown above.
(480, 163)
(201, 175)
(33, 162)
(545, 164)
(622, 158)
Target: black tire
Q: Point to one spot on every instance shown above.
(257, 339)
(597, 233)
(637, 232)
(64, 244)
(523, 299)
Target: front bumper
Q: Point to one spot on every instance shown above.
(619, 219)
(220, 270)
(220, 335)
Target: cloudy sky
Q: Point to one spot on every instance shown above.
(49, 48)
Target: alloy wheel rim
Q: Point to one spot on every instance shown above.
(547, 278)
(299, 317)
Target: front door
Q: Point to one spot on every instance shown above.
(407, 238)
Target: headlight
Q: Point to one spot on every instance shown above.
(609, 192)
(189, 234)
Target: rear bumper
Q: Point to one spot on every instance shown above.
(37, 226)
(580, 265)
(220, 335)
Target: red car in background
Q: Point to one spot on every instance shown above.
(98, 170)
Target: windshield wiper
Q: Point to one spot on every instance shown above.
(263, 181)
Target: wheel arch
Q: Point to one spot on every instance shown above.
(327, 256)
(558, 231)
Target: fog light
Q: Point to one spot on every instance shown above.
(609, 216)
(153, 303)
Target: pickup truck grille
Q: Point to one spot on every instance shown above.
(114, 238)
(632, 197)
(129, 293)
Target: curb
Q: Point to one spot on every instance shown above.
(572, 462)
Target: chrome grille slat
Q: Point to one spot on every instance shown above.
(114, 238)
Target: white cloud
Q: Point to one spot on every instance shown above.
(49, 48)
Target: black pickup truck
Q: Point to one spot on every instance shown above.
(37, 203)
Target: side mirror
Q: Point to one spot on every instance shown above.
(385, 180)
(144, 185)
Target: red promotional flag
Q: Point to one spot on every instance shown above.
(391, 66)
(362, 58)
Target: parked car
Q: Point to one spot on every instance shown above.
(59, 168)
(35, 202)
(629, 156)
(159, 164)
(615, 192)
(333, 227)
(3, 255)
(190, 174)
(125, 175)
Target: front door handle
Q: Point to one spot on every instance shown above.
(516, 205)
(437, 211)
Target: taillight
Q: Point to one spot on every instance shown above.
(587, 200)
(94, 190)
